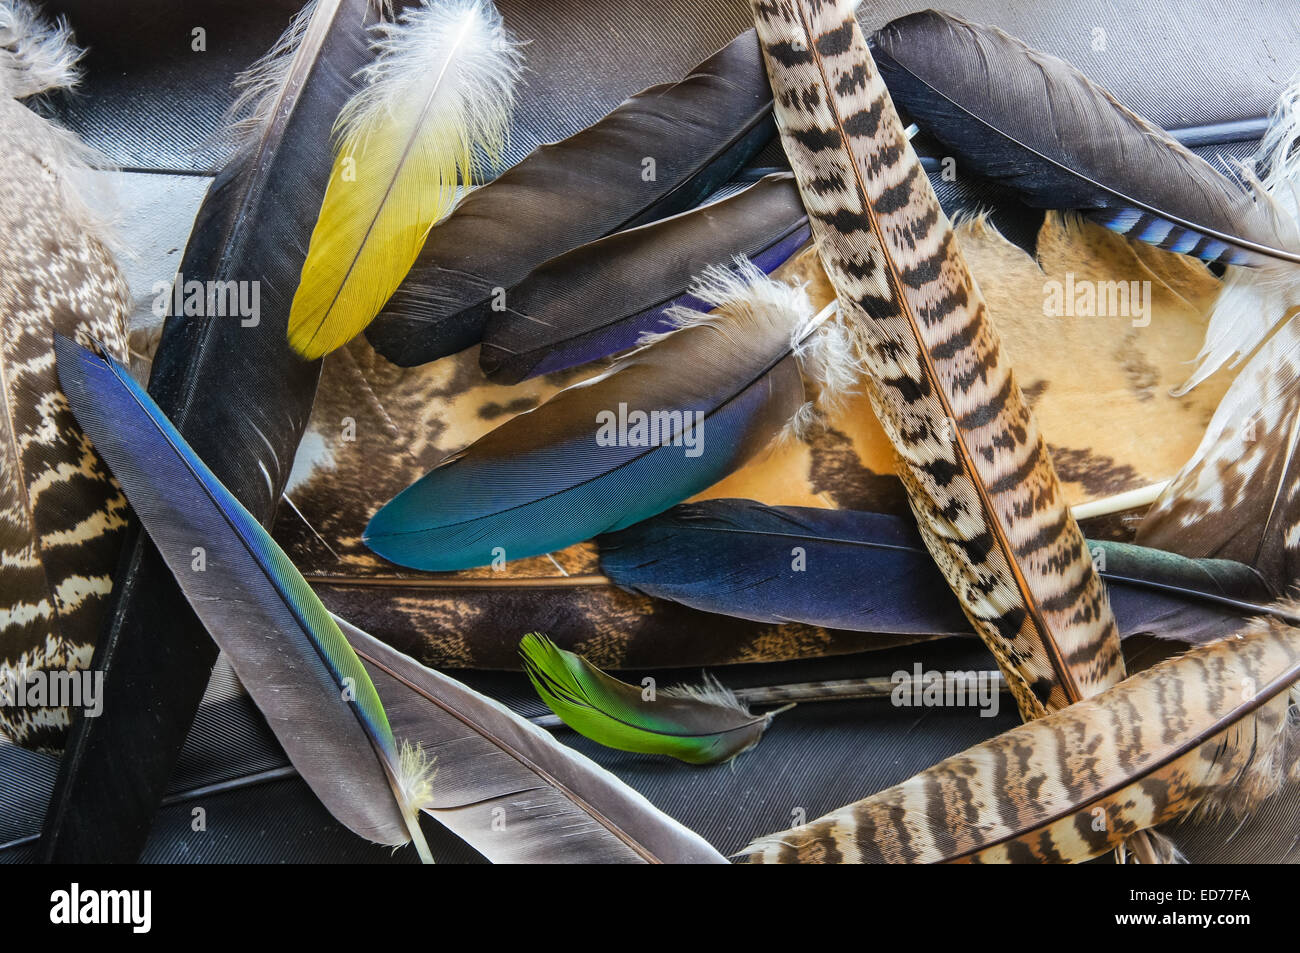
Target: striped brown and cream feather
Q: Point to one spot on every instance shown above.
(1212, 731)
(977, 473)
(60, 510)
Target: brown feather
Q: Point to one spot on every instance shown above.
(1213, 732)
(60, 510)
(977, 472)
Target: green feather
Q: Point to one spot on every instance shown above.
(703, 725)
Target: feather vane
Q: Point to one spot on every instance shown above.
(282, 642)
(696, 724)
(601, 298)
(977, 472)
(438, 95)
(670, 420)
(874, 574)
(1212, 731)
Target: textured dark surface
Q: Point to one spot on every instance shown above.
(815, 757)
(150, 101)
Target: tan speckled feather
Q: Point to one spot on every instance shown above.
(60, 511)
(1214, 730)
(977, 472)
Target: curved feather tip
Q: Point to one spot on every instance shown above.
(436, 101)
(704, 724)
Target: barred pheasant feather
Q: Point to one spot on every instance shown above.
(977, 473)
(1209, 732)
(61, 514)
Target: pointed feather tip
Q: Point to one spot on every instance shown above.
(35, 56)
(433, 111)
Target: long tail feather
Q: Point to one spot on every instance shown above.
(714, 393)
(977, 472)
(698, 725)
(657, 154)
(601, 298)
(506, 787)
(437, 98)
(282, 642)
(1212, 731)
(239, 394)
(871, 572)
(61, 515)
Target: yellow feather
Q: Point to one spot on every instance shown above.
(437, 96)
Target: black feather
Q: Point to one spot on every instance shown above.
(1038, 125)
(659, 153)
(600, 299)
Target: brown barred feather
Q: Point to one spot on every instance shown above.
(977, 473)
(60, 509)
(1211, 732)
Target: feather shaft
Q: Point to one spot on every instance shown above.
(439, 93)
(1182, 737)
(977, 472)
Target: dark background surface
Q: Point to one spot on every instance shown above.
(154, 105)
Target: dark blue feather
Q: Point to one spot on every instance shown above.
(1034, 123)
(600, 299)
(870, 572)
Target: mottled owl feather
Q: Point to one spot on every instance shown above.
(60, 511)
(1210, 732)
(977, 472)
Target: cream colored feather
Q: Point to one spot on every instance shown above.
(435, 103)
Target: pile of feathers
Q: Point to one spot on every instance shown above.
(734, 376)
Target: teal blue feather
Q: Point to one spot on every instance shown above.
(553, 477)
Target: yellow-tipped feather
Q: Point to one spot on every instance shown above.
(437, 97)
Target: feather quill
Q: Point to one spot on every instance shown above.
(601, 298)
(976, 470)
(657, 154)
(282, 642)
(665, 423)
(61, 515)
(697, 724)
(241, 396)
(436, 100)
(872, 573)
(1037, 124)
(1210, 732)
